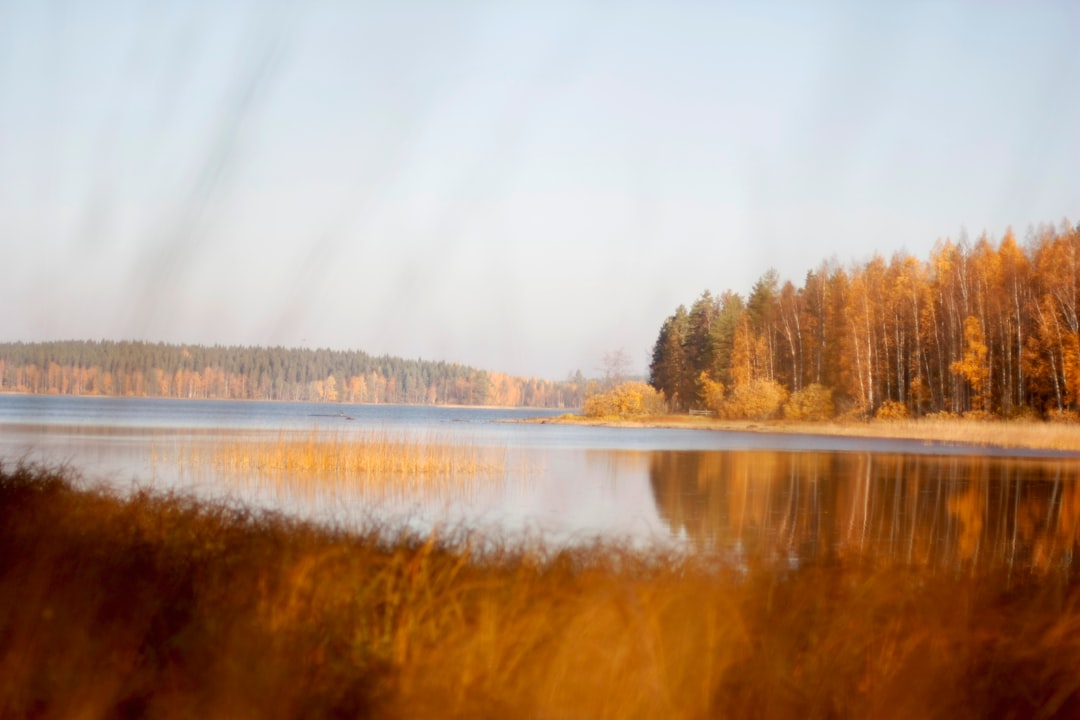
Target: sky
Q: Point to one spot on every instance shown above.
(522, 187)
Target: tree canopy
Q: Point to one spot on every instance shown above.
(140, 369)
(991, 327)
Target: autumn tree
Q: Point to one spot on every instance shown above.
(993, 327)
(813, 403)
(629, 399)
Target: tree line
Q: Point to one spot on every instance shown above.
(990, 328)
(140, 369)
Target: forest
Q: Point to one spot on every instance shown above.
(989, 328)
(140, 369)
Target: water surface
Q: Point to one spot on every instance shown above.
(801, 498)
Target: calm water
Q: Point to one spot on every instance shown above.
(804, 497)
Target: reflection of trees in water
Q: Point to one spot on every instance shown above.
(926, 510)
(613, 465)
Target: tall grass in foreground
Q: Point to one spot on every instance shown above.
(158, 606)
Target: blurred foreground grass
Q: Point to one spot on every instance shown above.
(158, 606)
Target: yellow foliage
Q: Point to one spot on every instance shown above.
(813, 402)
(742, 353)
(892, 410)
(973, 366)
(756, 400)
(711, 392)
(330, 392)
(626, 400)
(1070, 345)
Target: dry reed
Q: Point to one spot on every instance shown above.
(367, 457)
(156, 606)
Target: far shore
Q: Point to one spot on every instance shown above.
(328, 403)
(1017, 434)
(1025, 434)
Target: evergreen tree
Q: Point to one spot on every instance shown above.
(668, 371)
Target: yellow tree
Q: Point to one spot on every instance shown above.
(791, 307)
(860, 339)
(711, 392)
(947, 261)
(742, 353)
(910, 303)
(330, 391)
(1071, 367)
(972, 365)
(357, 389)
(989, 306)
(1041, 359)
(838, 355)
(160, 382)
(1016, 297)
(1057, 266)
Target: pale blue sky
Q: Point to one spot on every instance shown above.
(516, 186)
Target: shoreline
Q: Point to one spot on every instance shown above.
(1005, 434)
(1032, 435)
(328, 403)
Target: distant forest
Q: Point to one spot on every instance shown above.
(990, 328)
(139, 369)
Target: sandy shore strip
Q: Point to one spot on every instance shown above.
(1032, 435)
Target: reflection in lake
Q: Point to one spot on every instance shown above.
(936, 511)
(801, 498)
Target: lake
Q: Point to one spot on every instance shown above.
(800, 498)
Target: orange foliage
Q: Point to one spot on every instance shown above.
(978, 327)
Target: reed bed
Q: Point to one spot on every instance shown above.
(158, 606)
(372, 456)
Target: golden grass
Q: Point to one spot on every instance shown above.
(362, 458)
(1026, 434)
(156, 606)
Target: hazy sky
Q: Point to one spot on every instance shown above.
(516, 186)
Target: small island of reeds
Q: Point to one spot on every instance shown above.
(155, 605)
(318, 460)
